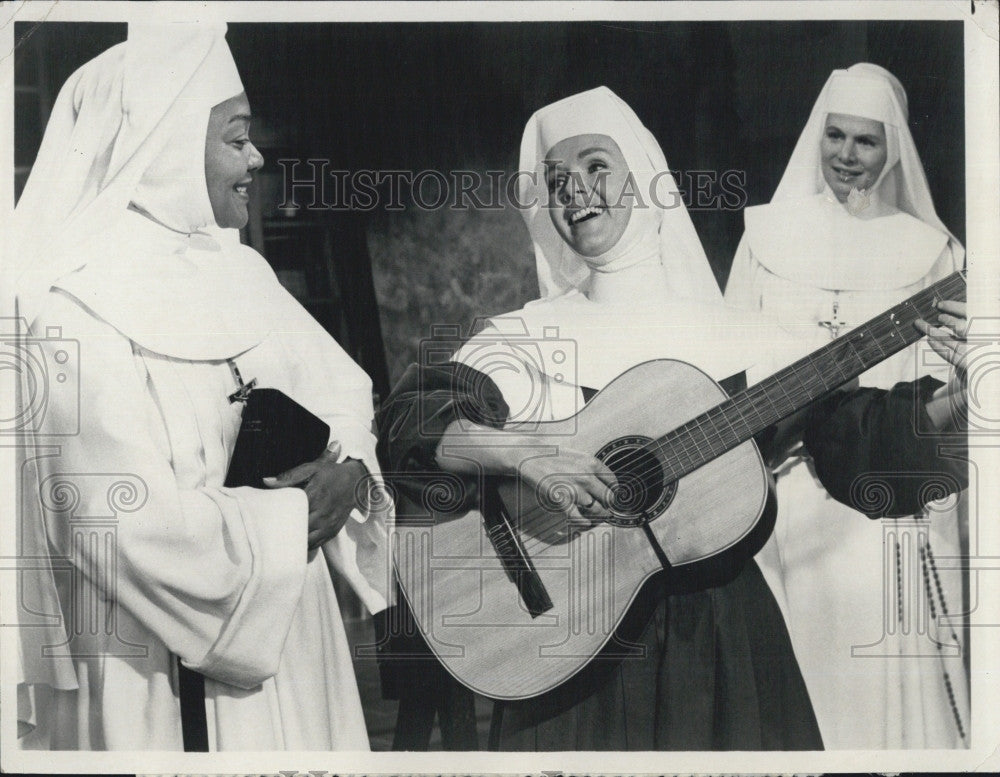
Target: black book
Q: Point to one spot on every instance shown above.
(276, 434)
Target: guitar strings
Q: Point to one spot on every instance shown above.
(681, 443)
(886, 324)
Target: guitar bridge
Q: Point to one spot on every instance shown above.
(512, 555)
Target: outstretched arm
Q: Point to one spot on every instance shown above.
(899, 442)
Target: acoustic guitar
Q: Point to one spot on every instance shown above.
(514, 604)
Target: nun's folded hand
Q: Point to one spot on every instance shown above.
(332, 490)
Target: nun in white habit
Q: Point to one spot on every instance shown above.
(851, 230)
(626, 283)
(126, 250)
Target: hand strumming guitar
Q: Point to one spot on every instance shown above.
(587, 487)
(332, 490)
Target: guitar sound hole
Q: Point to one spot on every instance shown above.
(641, 493)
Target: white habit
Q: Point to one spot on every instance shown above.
(880, 659)
(143, 328)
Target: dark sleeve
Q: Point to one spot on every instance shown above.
(411, 422)
(414, 416)
(877, 451)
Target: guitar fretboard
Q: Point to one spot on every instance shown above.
(748, 413)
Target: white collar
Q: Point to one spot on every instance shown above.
(179, 295)
(816, 242)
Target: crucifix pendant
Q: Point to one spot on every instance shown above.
(834, 325)
(242, 394)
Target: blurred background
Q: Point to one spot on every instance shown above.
(456, 96)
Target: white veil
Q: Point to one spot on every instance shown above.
(871, 92)
(108, 143)
(601, 111)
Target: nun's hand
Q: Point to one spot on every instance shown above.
(332, 490)
(574, 483)
(949, 405)
(948, 337)
(574, 487)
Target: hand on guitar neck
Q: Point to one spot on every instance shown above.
(946, 407)
(586, 493)
(949, 404)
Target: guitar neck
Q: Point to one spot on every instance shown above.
(748, 413)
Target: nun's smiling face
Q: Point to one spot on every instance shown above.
(852, 152)
(230, 159)
(586, 177)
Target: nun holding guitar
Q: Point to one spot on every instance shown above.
(580, 491)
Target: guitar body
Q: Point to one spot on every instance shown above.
(513, 629)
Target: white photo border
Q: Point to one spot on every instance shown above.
(982, 109)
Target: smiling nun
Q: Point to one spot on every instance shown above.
(128, 246)
(624, 280)
(851, 231)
